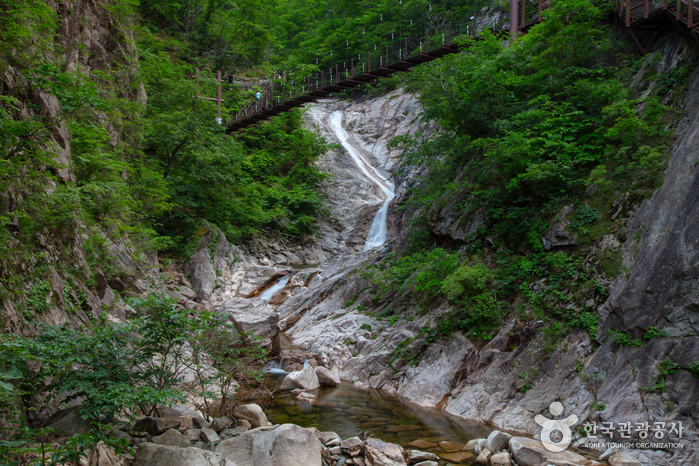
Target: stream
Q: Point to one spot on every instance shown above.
(347, 411)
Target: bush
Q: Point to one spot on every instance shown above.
(138, 365)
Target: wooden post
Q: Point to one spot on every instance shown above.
(540, 10)
(514, 18)
(524, 16)
(664, 4)
(427, 40)
(690, 14)
(196, 82)
(628, 12)
(645, 9)
(218, 94)
(679, 10)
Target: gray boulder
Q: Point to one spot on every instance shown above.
(68, 422)
(172, 438)
(326, 377)
(530, 452)
(220, 423)
(623, 459)
(150, 454)
(497, 441)
(251, 413)
(501, 459)
(417, 456)
(157, 425)
(427, 463)
(284, 445)
(209, 435)
(380, 453)
(257, 317)
(305, 379)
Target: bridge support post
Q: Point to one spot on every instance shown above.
(218, 95)
(514, 19)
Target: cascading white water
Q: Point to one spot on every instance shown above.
(377, 231)
(272, 290)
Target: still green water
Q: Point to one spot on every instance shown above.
(348, 411)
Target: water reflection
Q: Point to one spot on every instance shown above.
(347, 411)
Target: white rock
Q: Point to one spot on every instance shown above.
(150, 454)
(624, 459)
(417, 456)
(379, 453)
(501, 459)
(251, 413)
(326, 377)
(483, 456)
(172, 438)
(497, 441)
(305, 379)
(285, 445)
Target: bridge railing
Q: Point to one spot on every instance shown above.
(393, 48)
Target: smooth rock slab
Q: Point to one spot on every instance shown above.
(458, 457)
(285, 445)
(530, 452)
(623, 459)
(417, 456)
(451, 447)
(150, 454)
(427, 463)
(172, 438)
(419, 443)
(403, 428)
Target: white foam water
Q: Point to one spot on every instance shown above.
(377, 232)
(272, 290)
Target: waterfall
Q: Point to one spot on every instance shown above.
(377, 232)
(272, 290)
(275, 368)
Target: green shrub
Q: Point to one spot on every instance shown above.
(653, 333)
(365, 327)
(694, 369)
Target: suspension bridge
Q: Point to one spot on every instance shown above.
(413, 45)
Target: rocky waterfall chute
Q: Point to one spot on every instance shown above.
(378, 230)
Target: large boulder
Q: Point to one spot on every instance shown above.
(157, 425)
(251, 413)
(150, 454)
(497, 441)
(284, 445)
(172, 438)
(326, 377)
(380, 453)
(68, 422)
(530, 452)
(257, 317)
(305, 379)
